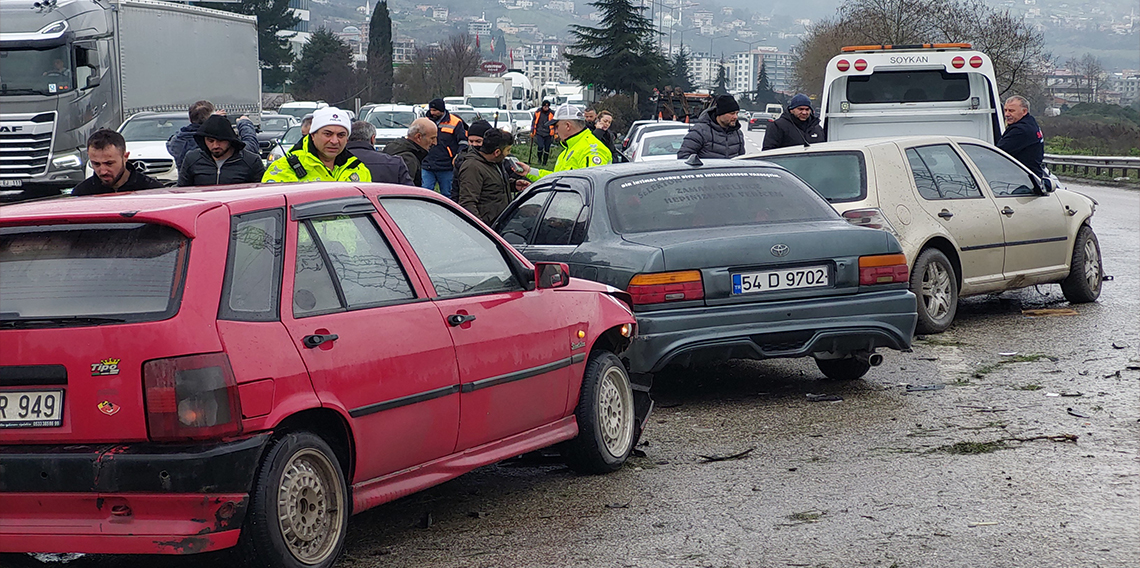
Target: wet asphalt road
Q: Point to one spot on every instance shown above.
(872, 480)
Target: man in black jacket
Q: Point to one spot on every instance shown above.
(452, 138)
(413, 148)
(385, 168)
(716, 133)
(484, 188)
(798, 126)
(221, 158)
(107, 153)
(1022, 138)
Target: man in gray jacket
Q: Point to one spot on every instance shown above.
(221, 158)
(716, 133)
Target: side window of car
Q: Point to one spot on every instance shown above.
(252, 285)
(940, 173)
(558, 222)
(517, 228)
(365, 272)
(1004, 177)
(459, 258)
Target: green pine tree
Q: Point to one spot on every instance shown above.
(324, 71)
(619, 56)
(273, 16)
(764, 93)
(681, 75)
(380, 77)
(720, 84)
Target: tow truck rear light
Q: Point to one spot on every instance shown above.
(975, 62)
(661, 287)
(191, 398)
(860, 64)
(883, 269)
(842, 65)
(958, 62)
(871, 218)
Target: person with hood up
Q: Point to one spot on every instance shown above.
(221, 158)
(452, 137)
(414, 147)
(798, 126)
(716, 133)
(183, 141)
(323, 156)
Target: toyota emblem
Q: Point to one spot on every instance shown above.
(780, 250)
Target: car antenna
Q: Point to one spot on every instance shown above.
(694, 160)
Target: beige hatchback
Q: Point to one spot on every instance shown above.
(971, 219)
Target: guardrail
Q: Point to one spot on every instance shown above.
(1060, 164)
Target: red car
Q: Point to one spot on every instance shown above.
(186, 371)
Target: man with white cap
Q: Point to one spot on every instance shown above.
(583, 149)
(322, 155)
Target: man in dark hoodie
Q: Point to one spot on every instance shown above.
(716, 133)
(798, 126)
(1022, 138)
(107, 154)
(221, 158)
(183, 140)
(413, 148)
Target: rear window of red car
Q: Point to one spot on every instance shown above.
(63, 275)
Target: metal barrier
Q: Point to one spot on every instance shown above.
(1059, 164)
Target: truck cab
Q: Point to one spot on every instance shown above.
(910, 90)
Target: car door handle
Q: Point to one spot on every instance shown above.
(316, 340)
(1007, 211)
(945, 214)
(456, 320)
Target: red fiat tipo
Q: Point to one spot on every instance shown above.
(185, 371)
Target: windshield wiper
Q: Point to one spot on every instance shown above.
(7, 91)
(22, 322)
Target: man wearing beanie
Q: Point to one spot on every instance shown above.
(798, 126)
(475, 134)
(716, 133)
(322, 156)
(437, 166)
(221, 157)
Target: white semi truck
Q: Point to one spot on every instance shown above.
(70, 67)
(487, 92)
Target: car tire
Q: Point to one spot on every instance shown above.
(299, 508)
(935, 286)
(1086, 272)
(605, 413)
(845, 369)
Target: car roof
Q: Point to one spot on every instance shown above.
(602, 174)
(862, 144)
(150, 114)
(178, 206)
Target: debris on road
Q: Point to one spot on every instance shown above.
(477, 514)
(736, 456)
(1115, 375)
(805, 517)
(1073, 394)
(981, 524)
(1008, 354)
(920, 388)
(1049, 312)
(1120, 345)
(1074, 412)
(823, 397)
(619, 505)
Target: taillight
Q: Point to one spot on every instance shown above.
(860, 64)
(842, 65)
(662, 287)
(958, 62)
(191, 398)
(871, 218)
(882, 269)
(975, 62)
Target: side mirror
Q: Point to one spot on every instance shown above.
(551, 274)
(92, 81)
(1047, 185)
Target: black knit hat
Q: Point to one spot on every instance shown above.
(218, 126)
(725, 104)
(437, 104)
(478, 128)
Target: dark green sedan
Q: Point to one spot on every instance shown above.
(723, 260)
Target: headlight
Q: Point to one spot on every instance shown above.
(67, 161)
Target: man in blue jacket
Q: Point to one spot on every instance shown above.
(1023, 139)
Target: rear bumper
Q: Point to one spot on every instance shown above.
(132, 498)
(796, 328)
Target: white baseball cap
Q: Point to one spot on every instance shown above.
(330, 116)
(567, 111)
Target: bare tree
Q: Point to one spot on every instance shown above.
(438, 72)
(1089, 71)
(823, 41)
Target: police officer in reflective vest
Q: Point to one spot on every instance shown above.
(322, 155)
(583, 149)
(437, 166)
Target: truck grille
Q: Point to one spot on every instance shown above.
(25, 144)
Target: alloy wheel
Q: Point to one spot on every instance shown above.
(309, 502)
(615, 411)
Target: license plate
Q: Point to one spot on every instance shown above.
(31, 409)
(788, 279)
(11, 182)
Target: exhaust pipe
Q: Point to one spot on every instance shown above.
(869, 357)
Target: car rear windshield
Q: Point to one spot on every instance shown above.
(908, 87)
(96, 273)
(689, 199)
(837, 176)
